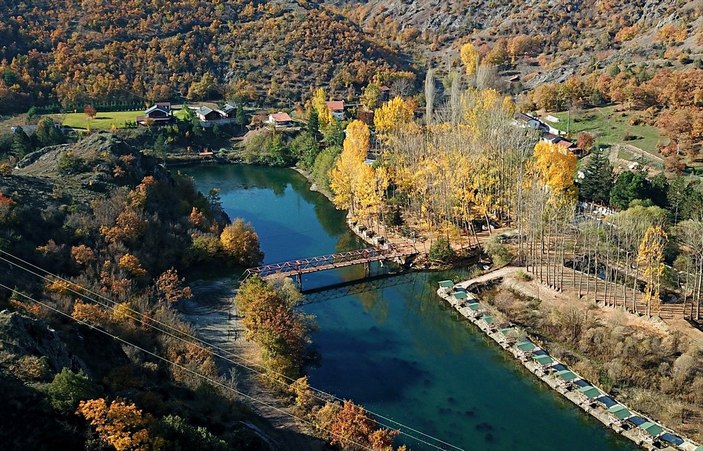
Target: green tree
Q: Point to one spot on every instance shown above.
(598, 178)
(333, 134)
(240, 116)
(441, 251)
(323, 164)
(181, 436)
(628, 187)
(21, 143)
(69, 388)
(314, 123)
(305, 149)
(31, 113)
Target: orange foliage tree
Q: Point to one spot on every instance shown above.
(120, 424)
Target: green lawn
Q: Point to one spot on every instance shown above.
(610, 127)
(101, 121)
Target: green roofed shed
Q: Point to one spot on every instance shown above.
(488, 319)
(700, 448)
(475, 306)
(620, 412)
(652, 429)
(508, 330)
(590, 392)
(526, 346)
(543, 360)
(567, 375)
(459, 295)
(446, 284)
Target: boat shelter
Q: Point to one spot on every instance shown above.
(590, 392)
(652, 429)
(526, 346)
(567, 375)
(446, 284)
(620, 412)
(543, 360)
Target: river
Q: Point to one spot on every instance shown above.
(398, 349)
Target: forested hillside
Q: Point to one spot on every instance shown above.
(551, 39)
(107, 51)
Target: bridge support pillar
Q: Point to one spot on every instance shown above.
(299, 280)
(367, 269)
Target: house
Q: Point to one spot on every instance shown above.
(566, 144)
(159, 113)
(336, 107)
(207, 114)
(280, 120)
(550, 138)
(527, 121)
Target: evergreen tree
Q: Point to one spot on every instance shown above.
(628, 187)
(314, 123)
(598, 178)
(21, 143)
(240, 117)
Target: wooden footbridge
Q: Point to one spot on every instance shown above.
(296, 268)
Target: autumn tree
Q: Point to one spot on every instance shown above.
(556, 166)
(90, 111)
(280, 330)
(392, 115)
(171, 289)
(120, 424)
(470, 58)
(351, 427)
(241, 243)
(650, 258)
(319, 103)
(345, 174)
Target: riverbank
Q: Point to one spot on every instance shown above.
(554, 373)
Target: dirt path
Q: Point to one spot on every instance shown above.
(213, 317)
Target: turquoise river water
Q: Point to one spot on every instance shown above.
(399, 350)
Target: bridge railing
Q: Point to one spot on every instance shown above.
(306, 264)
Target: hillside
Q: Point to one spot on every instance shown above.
(548, 39)
(110, 51)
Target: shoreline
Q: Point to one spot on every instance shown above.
(557, 376)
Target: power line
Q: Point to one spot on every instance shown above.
(228, 356)
(160, 357)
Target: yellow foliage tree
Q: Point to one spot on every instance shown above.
(650, 257)
(131, 264)
(319, 103)
(470, 57)
(392, 115)
(347, 170)
(121, 425)
(556, 167)
(240, 242)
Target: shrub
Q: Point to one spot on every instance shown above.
(441, 251)
(69, 388)
(498, 252)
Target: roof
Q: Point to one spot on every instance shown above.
(671, 438)
(524, 117)
(488, 319)
(459, 294)
(636, 420)
(620, 412)
(228, 108)
(526, 346)
(474, 306)
(607, 401)
(652, 429)
(590, 392)
(543, 360)
(281, 117)
(508, 330)
(335, 105)
(565, 143)
(550, 137)
(160, 107)
(205, 110)
(567, 375)
(446, 284)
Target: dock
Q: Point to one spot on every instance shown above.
(587, 396)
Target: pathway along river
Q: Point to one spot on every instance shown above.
(399, 350)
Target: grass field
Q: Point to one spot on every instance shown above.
(104, 120)
(611, 127)
(101, 121)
